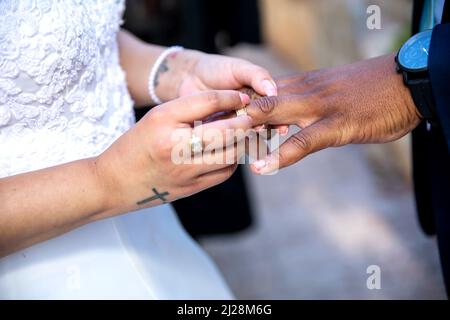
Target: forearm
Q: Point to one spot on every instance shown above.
(137, 59)
(42, 204)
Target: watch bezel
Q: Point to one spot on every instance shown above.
(397, 57)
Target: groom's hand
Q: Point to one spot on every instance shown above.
(365, 102)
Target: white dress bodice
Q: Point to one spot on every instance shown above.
(63, 97)
(62, 91)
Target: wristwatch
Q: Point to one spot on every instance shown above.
(412, 62)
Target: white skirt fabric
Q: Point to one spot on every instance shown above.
(141, 255)
(64, 97)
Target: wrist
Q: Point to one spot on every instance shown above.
(108, 195)
(405, 98)
(120, 185)
(173, 70)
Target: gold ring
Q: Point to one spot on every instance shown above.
(241, 112)
(196, 144)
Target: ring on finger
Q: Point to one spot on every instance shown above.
(196, 144)
(241, 112)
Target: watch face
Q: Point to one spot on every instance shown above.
(413, 55)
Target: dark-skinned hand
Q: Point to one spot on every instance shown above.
(364, 102)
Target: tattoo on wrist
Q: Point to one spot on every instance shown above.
(157, 195)
(164, 67)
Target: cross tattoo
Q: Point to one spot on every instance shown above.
(156, 196)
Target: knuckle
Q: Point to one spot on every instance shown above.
(239, 63)
(162, 150)
(163, 147)
(157, 114)
(260, 71)
(312, 78)
(212, 97)
(316, 100)
(265, 104)
(301, 141)
(344, 129)
(283, 160)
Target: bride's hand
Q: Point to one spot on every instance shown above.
(186, 72)
(209, 71)
(191, 71)
(140, 164)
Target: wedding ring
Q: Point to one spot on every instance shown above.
(196, 144)
(241, 112)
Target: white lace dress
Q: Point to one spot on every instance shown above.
(63, 97)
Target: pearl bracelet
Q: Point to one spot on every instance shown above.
(154, 72)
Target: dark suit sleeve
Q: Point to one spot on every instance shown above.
(439, 143)
(439, 70)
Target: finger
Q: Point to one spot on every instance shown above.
(311, 139)
(212, 160)
(214, 155)
(283, 110)
(249, 74)
(220, 116)
(199, 106)
(213, 178)
(224, 132)
(268, 109)
(282, 129)
(250, 92)
(257, 148)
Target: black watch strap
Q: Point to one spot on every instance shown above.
(423, 97)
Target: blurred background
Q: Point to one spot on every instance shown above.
(312, 230)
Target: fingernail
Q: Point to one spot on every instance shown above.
(245, 99)
(272, 164)
(259, 128)
(275, 86)
(270, 88)
(259, 164)
(283, 132)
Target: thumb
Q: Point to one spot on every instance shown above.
(256, 77)
(309, 140)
